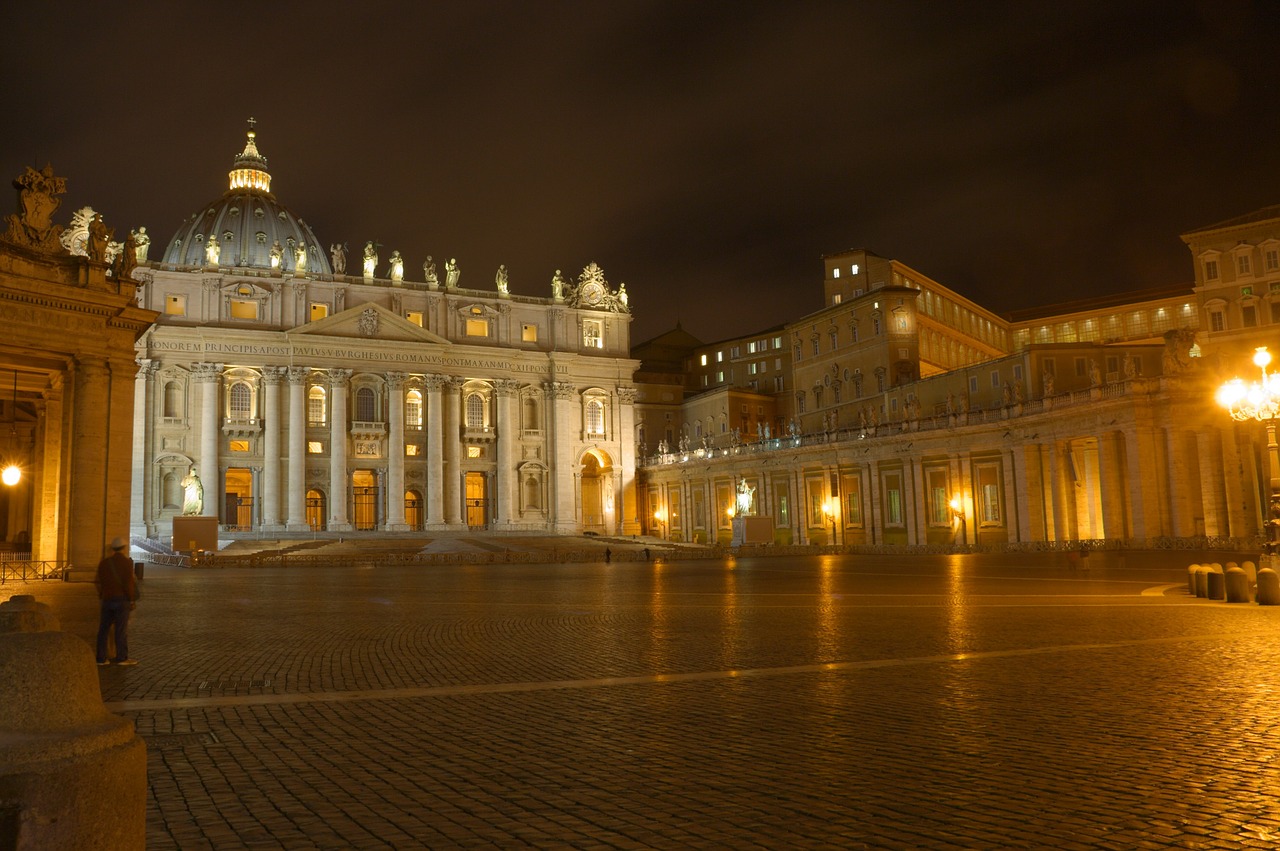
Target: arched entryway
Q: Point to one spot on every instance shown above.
(477, 500)
(237, 507)
(315, 510)
(364, 500)
(413, 510)
(597, 492)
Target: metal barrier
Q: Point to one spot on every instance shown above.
(27, 571)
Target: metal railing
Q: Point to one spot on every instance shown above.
(28, 570)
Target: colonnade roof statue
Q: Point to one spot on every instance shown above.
(252, 228)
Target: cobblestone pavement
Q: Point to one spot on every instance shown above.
(851, 702)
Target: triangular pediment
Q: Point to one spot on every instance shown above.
(369, 322)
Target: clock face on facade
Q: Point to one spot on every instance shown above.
(592, 292)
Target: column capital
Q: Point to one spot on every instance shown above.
(454, 382)
(147, 368)
(274, 374)
(559, 389)
(433, 383)
(505, 387)
(395, 380)
(339, 377)
(298, 374)
(206, 371)
(627, 395)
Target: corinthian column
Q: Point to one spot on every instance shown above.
(207, 375)
(564, 425)
(338, 521)
(271, 378)
(395, 454)
(452, 452)
(628, 514)
(435, 446)
(508, 428)
(143, 398)
(297, 519)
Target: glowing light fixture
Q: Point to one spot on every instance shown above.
(12, 473)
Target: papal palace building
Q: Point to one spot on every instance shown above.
(294, 390)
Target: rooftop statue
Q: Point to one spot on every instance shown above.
(338, 254)
(127, 260)
(397, 267)
(277, 255)
(98, 239)
(501, 279)
(557, 286)
(300, 258)
(38, 200)
(141, 243)
(370, 259)
(451, 274)
(429, 273)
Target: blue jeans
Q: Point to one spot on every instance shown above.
(115, 612)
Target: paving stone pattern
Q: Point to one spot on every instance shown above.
(820, 702)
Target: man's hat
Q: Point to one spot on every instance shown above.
(118, 544)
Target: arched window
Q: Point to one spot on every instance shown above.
(595, 417)
(413, 409)
(531, 414)
(316, 406)
(241, 401)
(172, 399)
(475, 411)
(365, 410)
(532, 493)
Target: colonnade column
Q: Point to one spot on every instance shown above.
(435, 460)
(1209, 450)
(627, 508)
(1143, 479)
(563, 476)
(1112, 485)
(143, 394)
(271, 378)
(46, 542)
(297, 518)
(452, 452)
(207, 375)
(395, 454)
(338, 518)
(1184, 481)
(508, 426)
(88, 499)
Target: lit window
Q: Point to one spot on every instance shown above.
(241, 401)
(315, 447)
(854, 268)
(704, 360)
(835, 273)
(365, 405)
(592, 334)
(836, 298)
(315, 406)
(414, 316)
(529, 333)
(239, 446)
(413, 409)
(175, 305)
(473, 451)
(477, 328)
(595, 417)
(719, 376)
(719, 357)
(475, 411)
(777, 342)
(243, 309)
(319, 311)
(412, 449)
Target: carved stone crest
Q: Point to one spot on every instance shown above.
(38, 200)
(593, 293)
(368, 322)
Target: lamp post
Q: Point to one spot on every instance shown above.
(1260, 400)
(828, 508)
(957, 512)
(661, 517)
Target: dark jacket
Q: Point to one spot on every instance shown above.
(115, 577)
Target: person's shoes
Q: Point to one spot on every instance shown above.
(103, 662)
(124, 662)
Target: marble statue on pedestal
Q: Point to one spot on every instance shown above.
(141, 243)
(277, 255)
(193, 495)
(557, 286)
(429, 273)
(370, 259)
(500, 279)
(98, 239)
(338, 254)
(396, 272)
(451, 274)
(299, 258)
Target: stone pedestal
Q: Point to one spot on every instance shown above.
(195, 533)
(72, 775)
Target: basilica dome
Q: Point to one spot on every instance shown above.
(252, 228)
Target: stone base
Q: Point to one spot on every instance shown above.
(195, 533)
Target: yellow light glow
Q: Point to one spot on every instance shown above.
(955, 503)
(660, 515)
(11, 475)
(1261, 356)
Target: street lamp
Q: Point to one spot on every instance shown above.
(1260, 400)
(957, 513)
(661, 517)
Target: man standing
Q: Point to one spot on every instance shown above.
(118, 591)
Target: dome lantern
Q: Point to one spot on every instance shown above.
(249, 171)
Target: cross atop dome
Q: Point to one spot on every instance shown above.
(249, 171)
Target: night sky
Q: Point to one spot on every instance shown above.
(706, 154)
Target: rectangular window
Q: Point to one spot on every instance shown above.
(815, 345)
(751, 369)
(835, 273)
(412, 450)
(973, 384)
(529, 333)
(239, 446)
(414, 316)
(800, 402)
(1211, 270)
(751, 347)
(705, 380)
(995, 378)
(1249, 316)
(1216, 321)
(244, 309)
(778, 387)
(474, 452)
(777, 342)
(704, 360)
(175, 305)
(477, 328)
(893, 499)
(719, 376)
(719, 357)
(736, 351)
(988, 508)
(764, 366)
(1082, 368)
(817, 498)
(939, 499)
(851, 489)
(592, 334)
(318, 311)
(1242, 264)
(836, 298)
(315, 447)
(1273, 260)
(1017, 372)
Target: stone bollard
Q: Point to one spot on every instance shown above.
(1216, 586)
(1237, 586)
(1252, 570)
(1202, 580)
(1191, 579)
(72, 775)
(1268, 587)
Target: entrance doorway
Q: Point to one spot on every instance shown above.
(315, 510)
(597, 492)
(364, 500)
(238, 500)
(413, 510)
(477, 500)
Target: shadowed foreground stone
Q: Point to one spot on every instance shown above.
(72, 775)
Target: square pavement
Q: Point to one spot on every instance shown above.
(976, 701)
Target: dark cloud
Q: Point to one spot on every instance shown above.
(706, 153)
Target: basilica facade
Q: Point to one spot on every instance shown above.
(290, 396)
